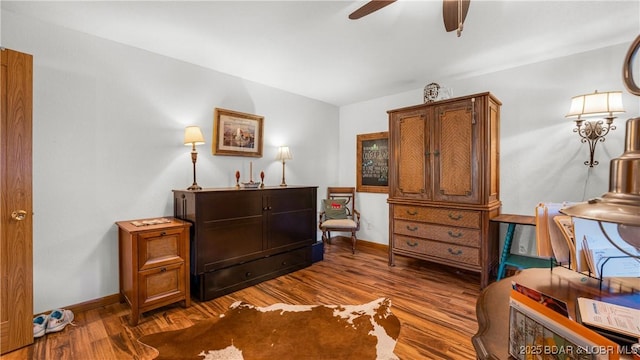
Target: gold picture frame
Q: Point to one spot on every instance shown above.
(236, 133)
(372, 159)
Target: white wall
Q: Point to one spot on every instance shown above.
(108, 123)
(541, 158)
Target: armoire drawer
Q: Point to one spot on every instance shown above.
(448, 234)
(450, 252)
(443, 216)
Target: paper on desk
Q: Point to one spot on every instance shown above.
(603, 257)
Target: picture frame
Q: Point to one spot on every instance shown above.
(236, 133)
(372, 162)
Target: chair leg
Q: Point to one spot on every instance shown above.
(353, 242)
(324, 239)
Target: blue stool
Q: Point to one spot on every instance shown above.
(518, 261)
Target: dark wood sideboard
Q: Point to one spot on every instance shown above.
(241, 237)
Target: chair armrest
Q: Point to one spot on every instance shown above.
(356, 216)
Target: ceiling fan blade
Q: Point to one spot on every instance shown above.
(368, 8)
(450, 13)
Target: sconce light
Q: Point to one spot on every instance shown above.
(621, 205)
(283, 154)
(591, 105)
(193, 136)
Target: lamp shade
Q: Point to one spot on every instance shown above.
(193, 136)
(284, 153)
(596, 104)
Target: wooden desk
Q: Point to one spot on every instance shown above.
(492, 308)
(515, 260)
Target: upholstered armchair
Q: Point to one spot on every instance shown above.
(339, 214)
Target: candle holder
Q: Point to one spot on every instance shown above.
(237, 179)
(261, 179)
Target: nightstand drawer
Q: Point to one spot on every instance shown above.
(162, 284)
(454, 235)
(160, 248)
(444, 216)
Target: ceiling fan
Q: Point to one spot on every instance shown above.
(453, 12)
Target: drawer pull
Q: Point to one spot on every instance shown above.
(248, 274)
(455, 235)
(453, 216)
(163, 233)
(414, 244)
(459, 252)
(284, 263)
(412, 212)
(164, 269)
(415, 228)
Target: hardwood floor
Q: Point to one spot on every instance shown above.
(435, 305)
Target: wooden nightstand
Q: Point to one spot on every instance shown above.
(154, 263)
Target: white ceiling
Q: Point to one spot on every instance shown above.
(311, 48)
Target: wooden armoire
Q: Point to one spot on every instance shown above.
(444, 182)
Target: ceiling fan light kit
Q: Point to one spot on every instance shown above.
(454, 12)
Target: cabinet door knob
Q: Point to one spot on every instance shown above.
(164, 269)
(163, 233)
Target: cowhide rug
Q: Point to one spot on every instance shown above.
(281, 331)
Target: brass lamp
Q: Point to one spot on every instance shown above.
(193, 136)
(283, 154)
(598, 104)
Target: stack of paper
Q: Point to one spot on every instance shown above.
(606, 260)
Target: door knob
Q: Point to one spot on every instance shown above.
(18, 215)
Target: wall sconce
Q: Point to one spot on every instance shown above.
(592, 105)
(621, 205)
(193, 136)
(283, 154)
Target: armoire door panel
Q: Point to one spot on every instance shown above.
(413, 176)
(455, 155)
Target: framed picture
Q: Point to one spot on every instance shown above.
(372, 168)
(236, 133)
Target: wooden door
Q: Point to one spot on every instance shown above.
(410, 174)
(455, 160)
(16, 252)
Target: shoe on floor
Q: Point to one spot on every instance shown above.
(40, 325)
(58, 319)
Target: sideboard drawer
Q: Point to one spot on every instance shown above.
(444, 216)
(454, 235)
(224, 281)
